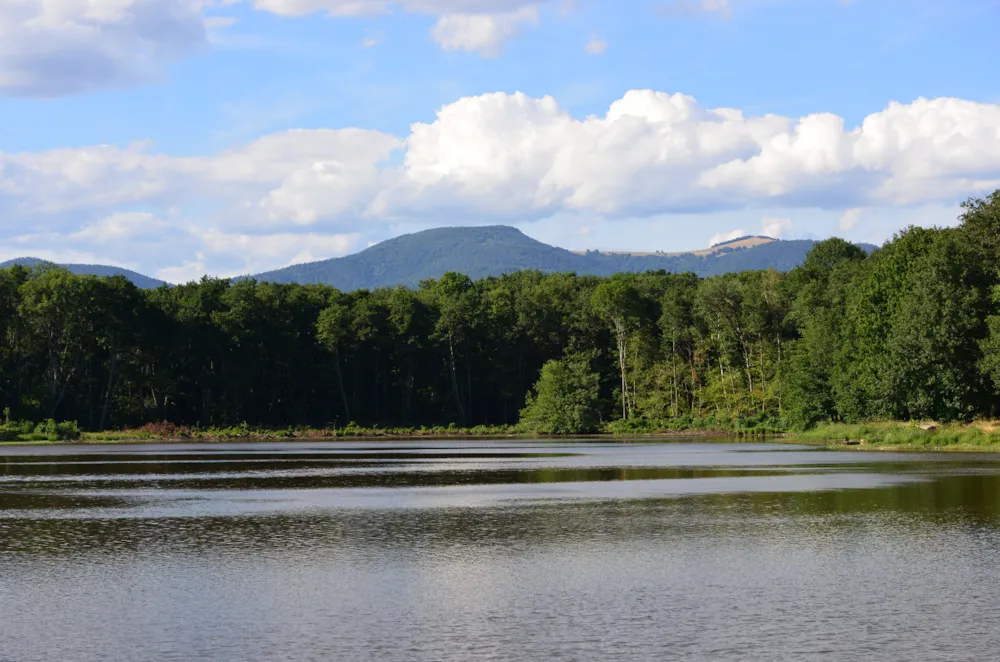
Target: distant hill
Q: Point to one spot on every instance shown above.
(494, 250)
(143, 282)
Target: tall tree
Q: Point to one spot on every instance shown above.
(618, 302)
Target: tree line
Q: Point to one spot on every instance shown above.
(910, 331)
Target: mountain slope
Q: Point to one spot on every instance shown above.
(406, 260)
(494, 250)
(140, 281)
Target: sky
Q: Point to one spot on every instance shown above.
(225, 137)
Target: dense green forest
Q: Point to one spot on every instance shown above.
(910, 331)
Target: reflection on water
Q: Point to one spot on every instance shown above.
(496, 550)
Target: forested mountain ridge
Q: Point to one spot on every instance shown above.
(140, 281)
(479, 252)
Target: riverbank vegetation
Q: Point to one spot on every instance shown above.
(908, 435)
(909, 332)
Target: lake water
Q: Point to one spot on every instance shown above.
(524, 550)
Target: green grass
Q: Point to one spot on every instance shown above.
(153, 432)
(980, 435)
(170, 432)
(754, 426)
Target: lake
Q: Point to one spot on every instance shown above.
(505, 550)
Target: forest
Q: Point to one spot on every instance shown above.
(909, 331)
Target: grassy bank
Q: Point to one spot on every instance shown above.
(740, 426)
(171, 432)
(913, 435)
(25, 432)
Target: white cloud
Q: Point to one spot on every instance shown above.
(56, 47)
(485, 34)
(775, 227)
(905, 154)
(495, 158)
(270, 251)
(849, 220)
(51, 48)
(123, 225)
(720, 237)
(184, 273)
(596, 46)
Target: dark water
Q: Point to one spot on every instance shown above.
(496, 551)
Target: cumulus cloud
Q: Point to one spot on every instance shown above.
(501, 158)
(57, 47)
(485, 34)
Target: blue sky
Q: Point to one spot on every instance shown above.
(180, 137)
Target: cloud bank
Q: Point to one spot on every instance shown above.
(58, 47)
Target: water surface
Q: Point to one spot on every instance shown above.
(496, 550)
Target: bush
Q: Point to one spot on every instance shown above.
(45, 431)
(565, 399)
(68, 431)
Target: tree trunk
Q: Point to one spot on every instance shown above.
(107, 390)
(454, 378)
(673, 369)
(340, 385)
(763, 383)
(620, 337)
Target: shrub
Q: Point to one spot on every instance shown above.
(565, 399)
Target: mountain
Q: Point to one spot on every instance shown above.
(143, 282)
(494, 250)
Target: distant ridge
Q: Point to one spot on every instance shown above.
(140, 281)
(748, 241)
(494, 250)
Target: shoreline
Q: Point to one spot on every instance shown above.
(95, 440)
(876, 437)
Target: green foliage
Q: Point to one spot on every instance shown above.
(48, 430)
(565, 399)
(908, 435)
